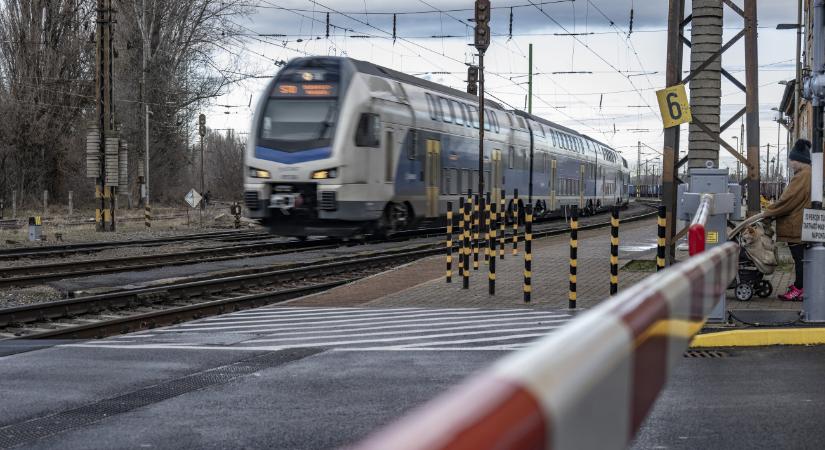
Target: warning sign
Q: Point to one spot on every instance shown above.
(712, 237)
(813, 225)
(674, 106)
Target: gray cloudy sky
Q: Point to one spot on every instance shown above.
(625, 71)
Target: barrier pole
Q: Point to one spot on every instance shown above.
(515, 221)
(487, 244)
(449, 242)
(574, 245)
(660, 241)
(502, 223)
(614, 251)
(466, 256)
(492, 267)
(476, 228)
(528, 253)
(696, 231)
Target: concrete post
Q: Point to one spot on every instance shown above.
(13, 204)
(706, 86)
(70, 203)
(45, 203)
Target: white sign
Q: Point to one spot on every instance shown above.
(813, 225)
(193, 198)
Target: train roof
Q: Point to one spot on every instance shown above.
(544, 121)
(381, 71)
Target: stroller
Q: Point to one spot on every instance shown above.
(757, 258)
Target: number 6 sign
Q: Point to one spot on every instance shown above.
(674, 106)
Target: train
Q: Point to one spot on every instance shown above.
(341, 147)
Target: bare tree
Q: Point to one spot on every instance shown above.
(223, 156)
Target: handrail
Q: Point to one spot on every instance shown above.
(588, 385)
(696, 231)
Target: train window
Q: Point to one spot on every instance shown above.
(509, 119)
(446, 109)
(511, 156)
(465, 181)
(389, 157)
(553, 137)
(368, 133)
(521, 123)
(454, 187)
(413, 142)
(431, 107)
(495, 121)
(541, 128)
(475, 179)
(458, 109)
(473, 115)
(487, 120)
(445, 181)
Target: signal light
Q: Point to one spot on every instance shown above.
(482, 19)
(472, 80)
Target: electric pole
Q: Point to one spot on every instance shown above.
(638, 167)
(145, 92)
(107, 177)
(202, 132)
(482, 42)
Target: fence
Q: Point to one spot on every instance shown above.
(589, 384)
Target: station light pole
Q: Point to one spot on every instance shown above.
(482, 42)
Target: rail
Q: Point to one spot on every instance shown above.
(696, 231)
(588, 385)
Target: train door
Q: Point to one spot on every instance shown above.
(581, 185)
(432, 171)
(498, 176)
(553, 181)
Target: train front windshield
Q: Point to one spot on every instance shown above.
(293, 125)
(302, 109)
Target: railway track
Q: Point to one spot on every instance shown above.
(131, 310)
(91, 247)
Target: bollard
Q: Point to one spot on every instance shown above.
(147, 216)
(660, 241)
(515, 216)
(45, 203)
(574, 244)
(492, 276)
(486, 222)
(461, 237)
(502, 223)
(466, 256)
(476, 229)
(528, 252)
(449, 242)
(614, 251)
(14, 204)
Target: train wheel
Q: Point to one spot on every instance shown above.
(396, 217)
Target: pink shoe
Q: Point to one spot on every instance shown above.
(794, 294)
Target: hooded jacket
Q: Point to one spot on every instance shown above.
(789, 208)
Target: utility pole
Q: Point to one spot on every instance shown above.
(813, 307)
(670, 150)
(798, 86)
(752, 106)
(107, 179)
(202, 132)
(530, 80)
(482, 42)
(145, 93)
(638, 167)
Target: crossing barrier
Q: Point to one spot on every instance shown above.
(449, 242)
(614, 251)
(574, 256)
(587, 385)
(696, 231)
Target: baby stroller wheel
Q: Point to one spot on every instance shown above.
(764, 288)
(744, 292)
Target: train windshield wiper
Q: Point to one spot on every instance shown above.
(327, 120)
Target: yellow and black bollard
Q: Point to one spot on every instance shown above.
(574, 245)
(614, 251)
(528, 253)
(492, 268)
(516, 217)
(487, 245)
(147, 216)
(466, 256)
(449, 242)
(476, 229)
(660, 241)
(460, 236)
(502, 222)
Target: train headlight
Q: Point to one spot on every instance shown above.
(258, 173)
(324, 174)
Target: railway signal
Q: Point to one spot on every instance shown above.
(472, 80)
(482, 30)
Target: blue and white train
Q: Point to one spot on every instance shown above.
(341, 147)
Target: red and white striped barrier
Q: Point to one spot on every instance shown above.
(588, 385)
(696, 230)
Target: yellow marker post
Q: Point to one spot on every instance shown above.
(674, 106)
